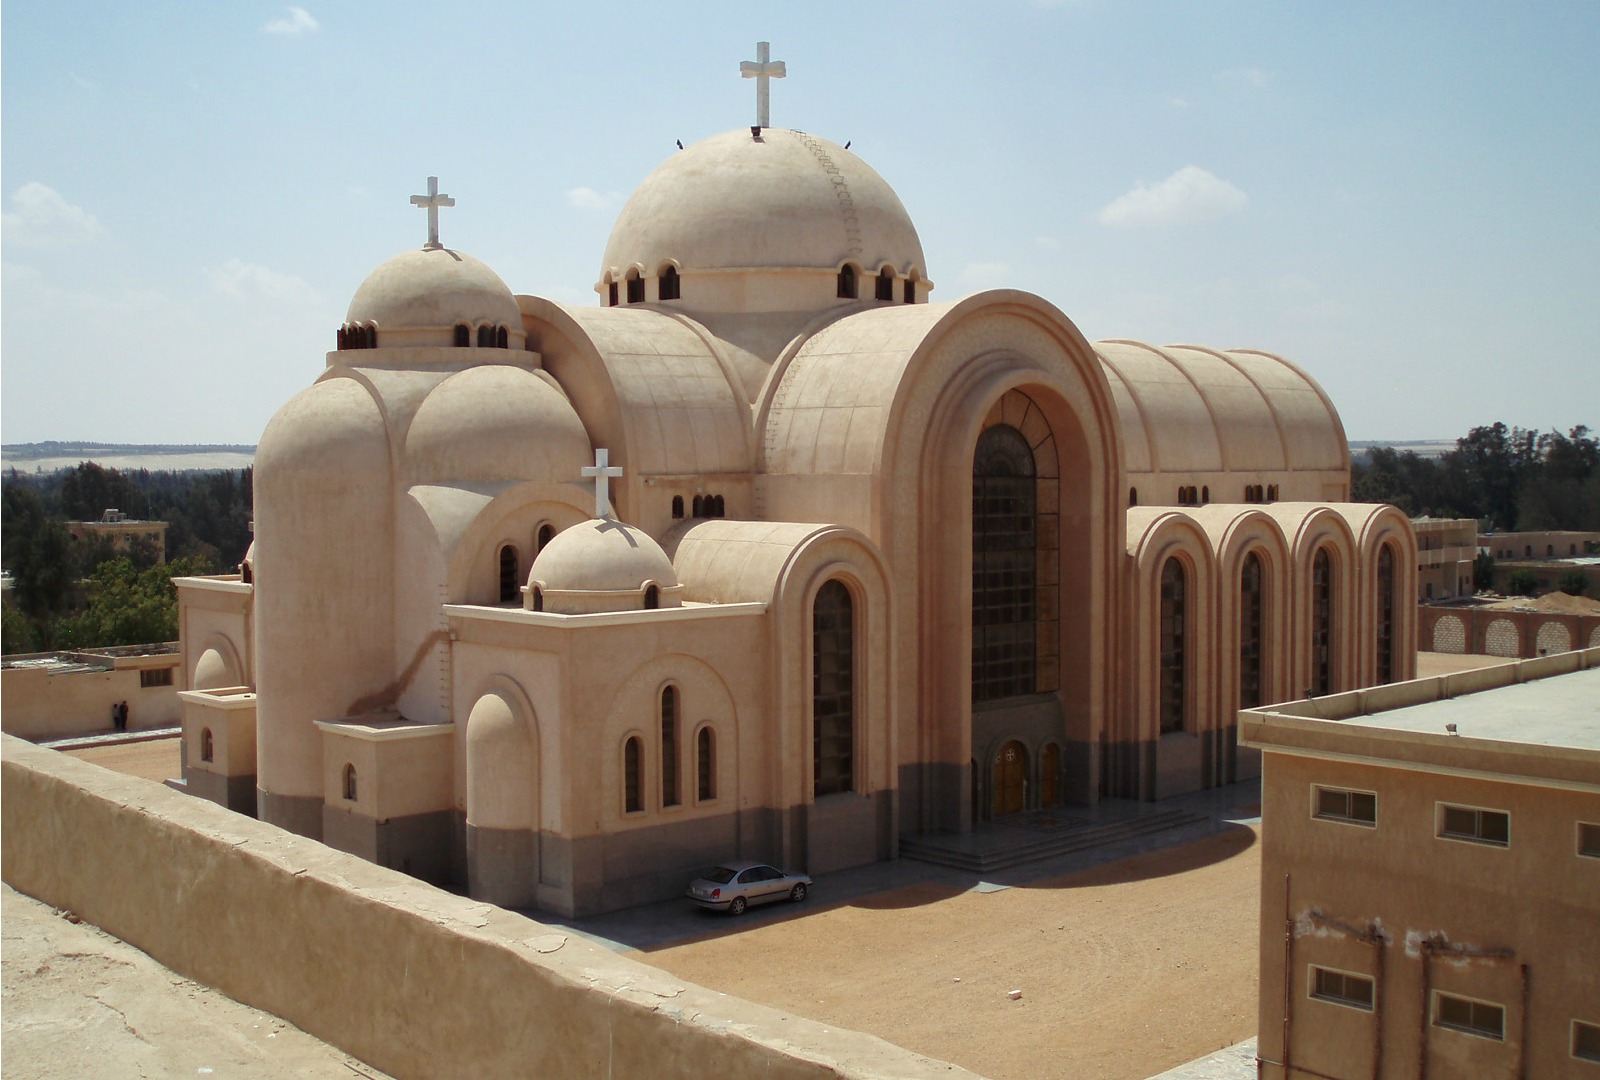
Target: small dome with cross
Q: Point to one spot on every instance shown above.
(602, 565)
(421, 297)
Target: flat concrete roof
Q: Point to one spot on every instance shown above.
(1558, 710)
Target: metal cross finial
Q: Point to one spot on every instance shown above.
(602, 476)
(762, 70)
(432, 200)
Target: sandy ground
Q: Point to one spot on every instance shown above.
(1125, 970)
(156, 760)
(81, 1003)
(1430, 664)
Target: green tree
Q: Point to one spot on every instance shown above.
(16, 630)
(1483, 571)
(1573, 583)
(128, 606)
(1523, 583)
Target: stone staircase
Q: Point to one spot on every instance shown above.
(1002, 846)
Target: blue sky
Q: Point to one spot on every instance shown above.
(1403, 198)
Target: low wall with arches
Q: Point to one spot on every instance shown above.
(1515, 635)
(411, 979)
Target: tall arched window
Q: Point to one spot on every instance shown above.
(699, 506)
(886, 284)
(502, 338)
(847, 282)
(677, 506)
(1174, 646)
(705, 764)
(509, 581)
(1321, 622)
(1386, 614)
(463, 335)
(1004, 566)
(1251, 614)
(832, 689)
(485, 337)
(350, 783)
(669, 286)
(716, 506)
(633, 775)
(635, 287)
(547, 533)
(669, 746)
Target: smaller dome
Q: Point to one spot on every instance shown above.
(495, 422)
(602, 565)
(434, 289)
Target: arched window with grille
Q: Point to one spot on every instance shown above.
(1252, 615)
(509, 580)
(1174, 671)
(1004, 566)
(669, 746)
(705, 764)
(669, 284)
(1321, 622)
(633, 775)
(833, 689)
(847, 282)
(1386, 614)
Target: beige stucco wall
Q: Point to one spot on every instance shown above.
(38, 704)
(415, 981)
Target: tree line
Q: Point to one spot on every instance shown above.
(1509, 479)
(76, 594)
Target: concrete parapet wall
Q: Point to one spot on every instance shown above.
(411, 979)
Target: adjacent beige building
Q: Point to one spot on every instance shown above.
(1446, 549)
(1430, 893)
(768, 553)
(59, 695)
(122, 532)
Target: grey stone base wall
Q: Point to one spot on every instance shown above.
(300, 814)
(237, 793)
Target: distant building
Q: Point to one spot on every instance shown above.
(122, 531)
(1431, 876)
(1446, 548)
(60, 694)
(1555, 544)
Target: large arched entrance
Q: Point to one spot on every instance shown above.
(1010, 787)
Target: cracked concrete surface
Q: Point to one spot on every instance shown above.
(79, 1002)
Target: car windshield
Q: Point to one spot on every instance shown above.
(721, 875)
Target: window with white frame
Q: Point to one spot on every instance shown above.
(1474, 824)
(1341, 988)
(1482, 1018)
(1585, 1040)
(1341, 804)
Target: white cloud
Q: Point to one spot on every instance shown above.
(1190, 194)
(1251, 78)
(40, 217)
(1049, 243)
(587, 198)
(238, 278)
(299, 22)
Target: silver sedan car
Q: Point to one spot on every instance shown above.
(734, 886)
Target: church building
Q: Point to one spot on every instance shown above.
(766, 554)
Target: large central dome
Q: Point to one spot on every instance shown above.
(782, 201)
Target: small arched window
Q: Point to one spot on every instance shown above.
(635, 287)
(371, 335)
(207, 751)
(633, 775)
(716, 506)
(538, 598)
(463, 335)
(1133, 496)
(699, 506)
(677, 506)
(668, 287)
(669, 745)
(343, 338)
(508, 573)
(1173, 645)
(547, 533)
(611, 292)
(1205, 494)
(652, 597)
(349, 783)
(886, 284)
(847, 282)
(705, 764)
(502, 338)
(485, 337)
(1272, 492)
(910, 293)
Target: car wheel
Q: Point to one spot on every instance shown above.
(737, 907)
(798, 893)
